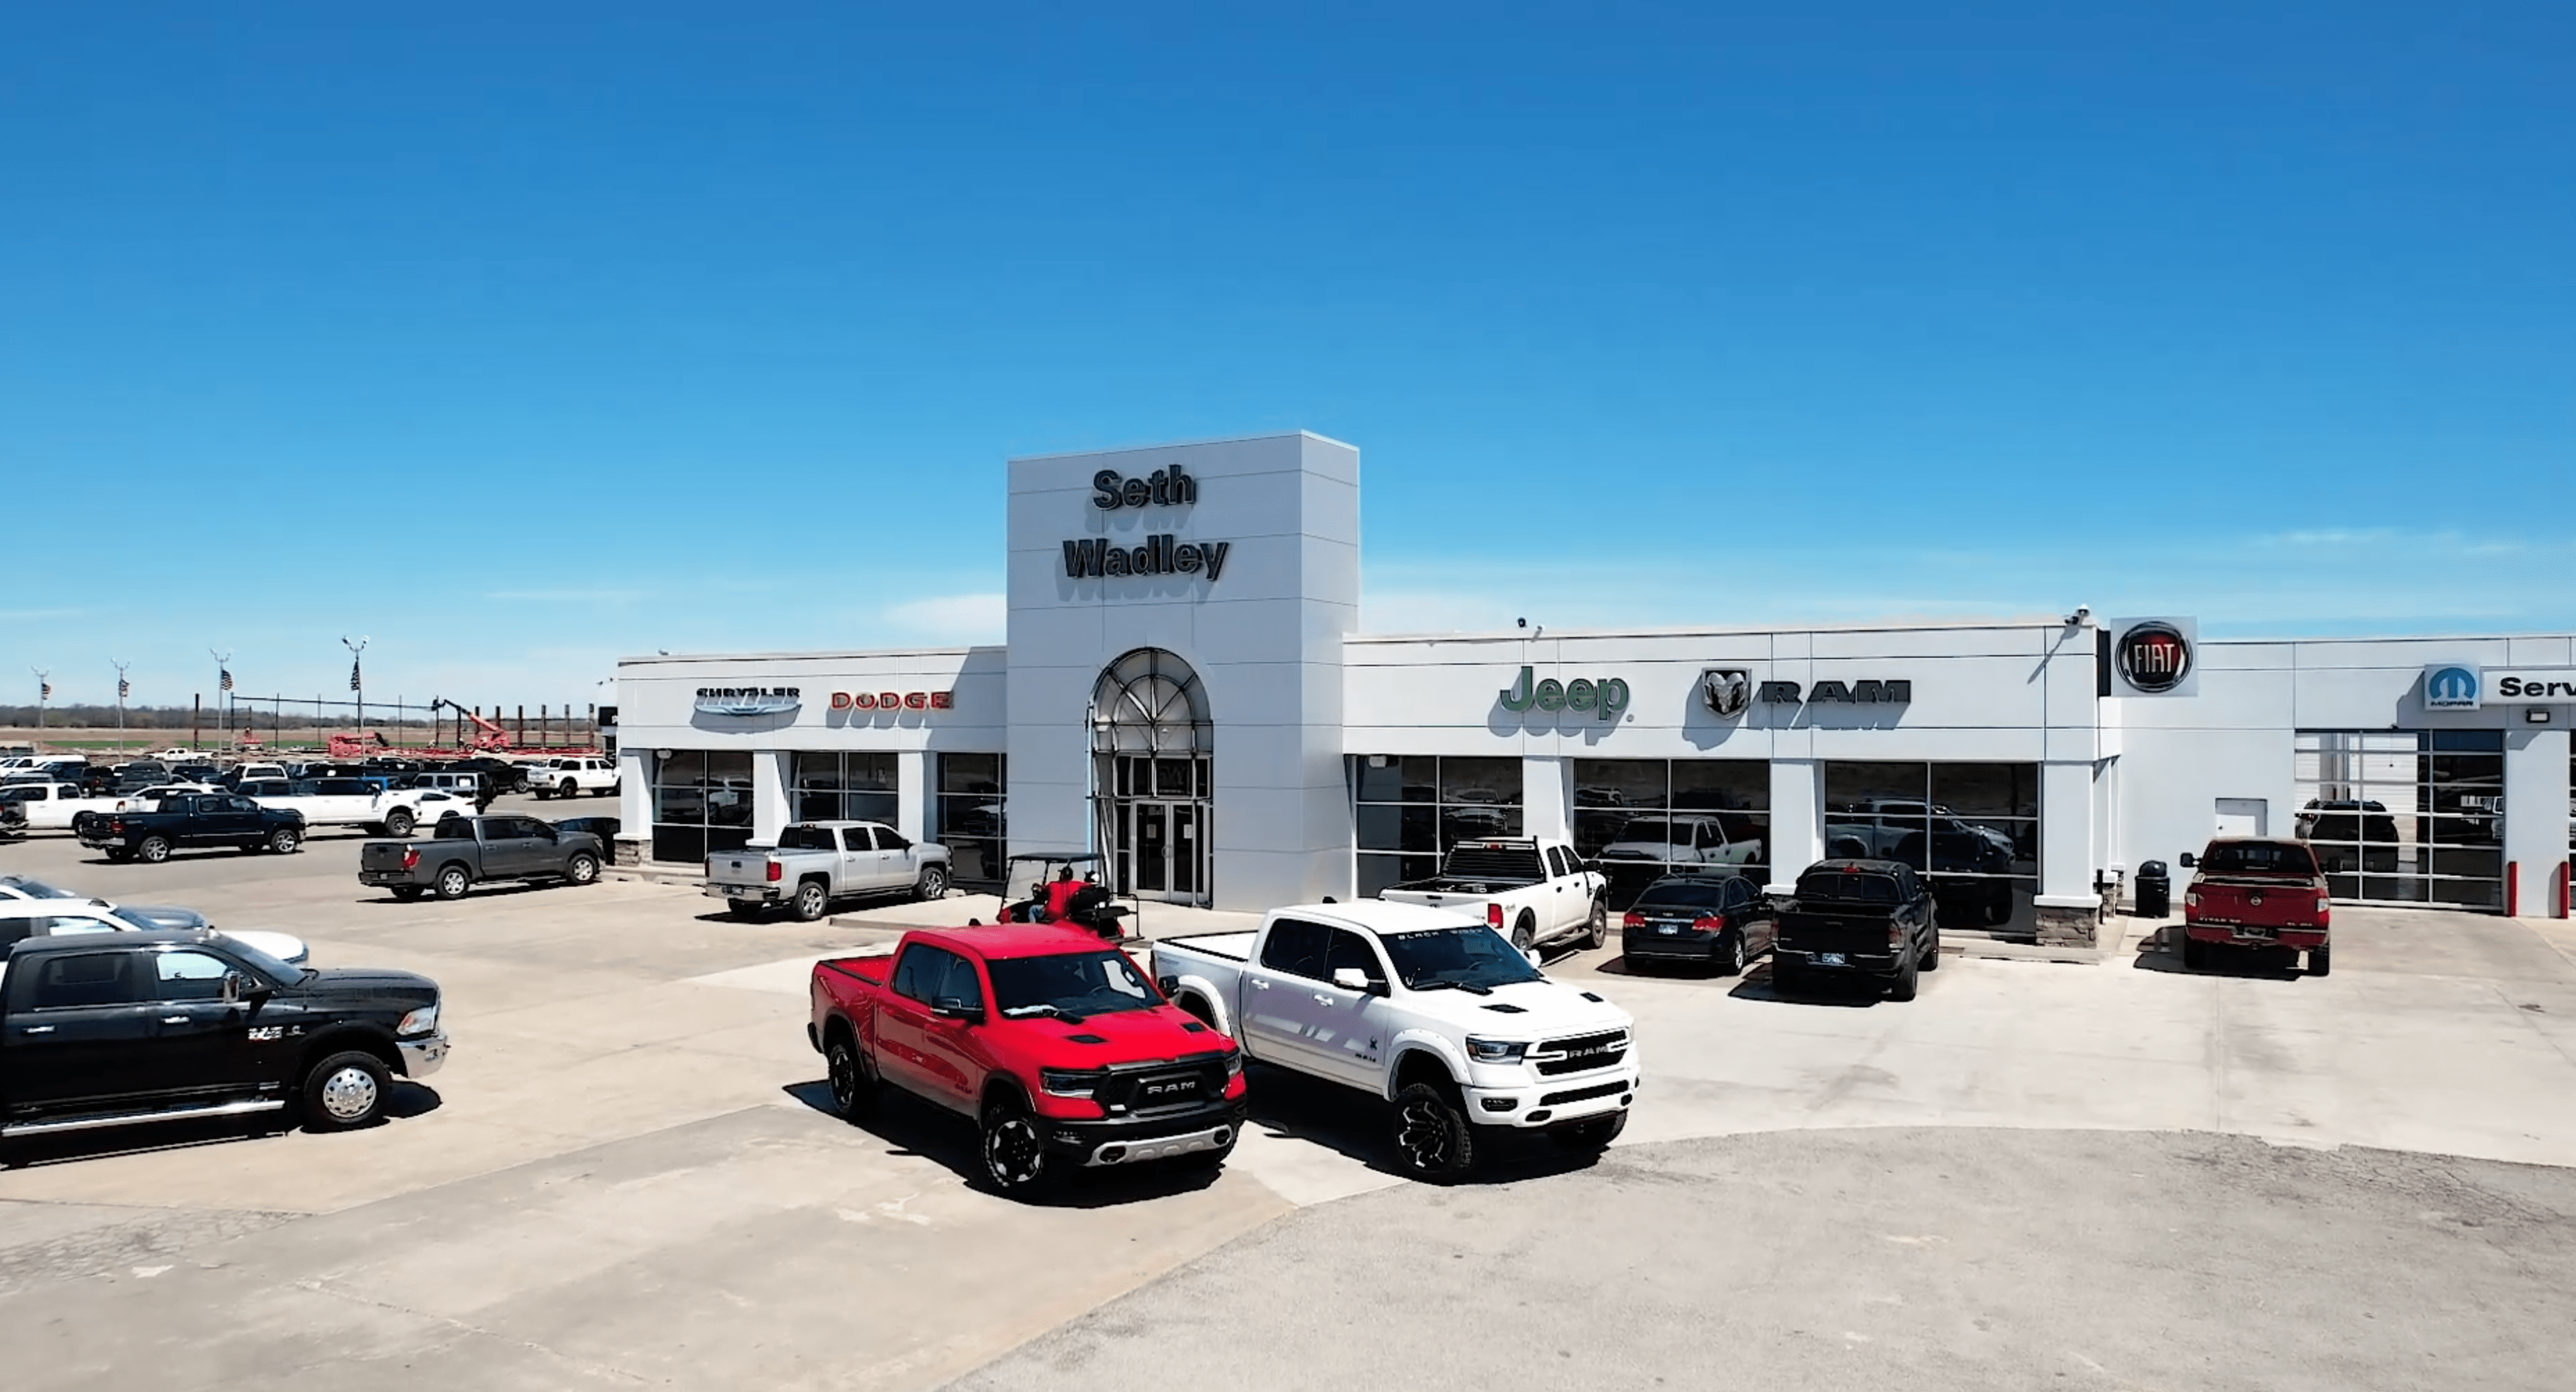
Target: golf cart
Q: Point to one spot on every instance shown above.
(1024, 892)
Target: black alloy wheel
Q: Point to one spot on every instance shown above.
(1525, 937)
(1907, 981)
(852, 1087)
(1014, 1151)
(1932, 954)
(2320, 961)
(1433, 1139)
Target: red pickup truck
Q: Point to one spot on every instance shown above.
(2256, 893)
(1065, 1054)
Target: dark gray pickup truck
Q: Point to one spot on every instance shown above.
(462, 850)
(1866, 920)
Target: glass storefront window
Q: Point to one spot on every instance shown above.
(702, 803)
(1971, 829)
(845, 787)
(1644, 819)
(2405, 816)
(1412, 808)
(970, 820)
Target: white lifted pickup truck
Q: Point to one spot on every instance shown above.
(1533, 890)
(1434, 1012)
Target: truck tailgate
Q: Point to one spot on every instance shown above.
(2257, 903)
(749, 868)
(1857, 932)
(382, 855)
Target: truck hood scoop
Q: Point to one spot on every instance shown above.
(1507, 1008)
(1084, 1039)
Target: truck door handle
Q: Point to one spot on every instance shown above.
(37, 1029)
(1322, 999)
(174, 1019)
(1260, 985)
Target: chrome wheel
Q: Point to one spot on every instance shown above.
(934, 883)
(452, 883)
(283, 841)
(154, 850)
(811, 901)
(349, 1094)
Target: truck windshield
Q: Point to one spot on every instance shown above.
(2257, 858)
(1470, 958)
(1070, 984)
(38, 889)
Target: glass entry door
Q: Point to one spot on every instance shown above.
(1163, 850)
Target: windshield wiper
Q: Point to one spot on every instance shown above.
(1043, 1010)
(1444, 984)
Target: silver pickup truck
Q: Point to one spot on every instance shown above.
(815, 863)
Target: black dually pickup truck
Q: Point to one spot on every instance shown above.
(190, 819)
(118, 1029)
(1865, 919)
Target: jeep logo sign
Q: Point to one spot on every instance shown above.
(2155, 656)
(1603, 698)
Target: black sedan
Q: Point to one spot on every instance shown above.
(1721, 922)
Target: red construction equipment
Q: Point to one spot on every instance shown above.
(489, 738)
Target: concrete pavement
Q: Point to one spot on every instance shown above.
(622, 1174)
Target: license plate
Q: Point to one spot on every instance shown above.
(1829, 959)
(2252, 930)
(1668, 929)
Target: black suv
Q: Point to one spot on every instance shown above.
(119, 1029)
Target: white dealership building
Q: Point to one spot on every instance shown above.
(1185, 691)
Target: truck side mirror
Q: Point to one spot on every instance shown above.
(1350, 978)
(2185, 861)
(232, 989)
(1168, 985)
(956, 1008)
(1593, 867)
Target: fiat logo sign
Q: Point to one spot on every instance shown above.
(2154, 657)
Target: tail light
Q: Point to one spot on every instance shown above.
(1494, 915)
(1707, 925)
(411, 857)
(117, 825)
(776, 872)
(2191, 899)
(1895, 934)
(1633, 920)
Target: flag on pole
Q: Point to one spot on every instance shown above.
(353, 676)
(124, 688)
(44, 691)
(227, 683)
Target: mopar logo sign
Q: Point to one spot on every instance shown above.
(2451, 686)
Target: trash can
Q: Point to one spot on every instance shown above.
(2155, 890)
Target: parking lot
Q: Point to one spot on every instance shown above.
(625, 1175)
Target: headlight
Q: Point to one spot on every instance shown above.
(1066, 1082)
(1234, 1064)
(421, 1021)
(1495, 1050)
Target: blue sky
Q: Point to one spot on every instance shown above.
(520, 344)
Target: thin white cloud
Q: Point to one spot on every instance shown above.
(962, 618)
(591, 596)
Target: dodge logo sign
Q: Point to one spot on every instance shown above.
(1726, 691)
(2154, 657)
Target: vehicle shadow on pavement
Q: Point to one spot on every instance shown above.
(911, 1127)
(2277, 965)
(480, 891)
(407, 1100)
(1293, 1106)
(1756, 985)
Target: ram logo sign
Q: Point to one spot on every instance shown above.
(2451, 686)
(1726, 691)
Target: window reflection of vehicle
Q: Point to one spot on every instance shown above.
(1686, 840)
(2350, 835)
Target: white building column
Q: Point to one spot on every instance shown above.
(913, 794)
(2535, 820)
(1797, 820)
(1547, 798)
(634, 807)
(2067, 906)
(770, 812)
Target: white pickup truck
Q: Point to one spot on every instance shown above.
(1533, 890)
(815, 863)
(567, 776)
(1431, 1011)
(53, 806)
(354, 802)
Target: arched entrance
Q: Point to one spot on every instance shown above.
(1153, 789)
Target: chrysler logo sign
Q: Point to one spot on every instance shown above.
(748, 700)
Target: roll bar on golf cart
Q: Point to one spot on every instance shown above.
(1024, 884)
